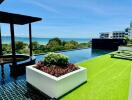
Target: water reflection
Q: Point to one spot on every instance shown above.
(80, 55)
(6, 76)
(2, 74)
(98, 52)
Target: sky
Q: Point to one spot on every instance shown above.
(70, 18)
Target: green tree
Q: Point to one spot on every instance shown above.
(71, 45)
(6, 48)
(128, 40)
(54, 42)
(57, 48)
(35, 45)
(19, 45)
(84, 45)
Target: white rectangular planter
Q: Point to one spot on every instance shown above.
(53, 86)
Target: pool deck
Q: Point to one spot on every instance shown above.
(108, 79)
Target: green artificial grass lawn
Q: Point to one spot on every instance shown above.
(108, 79)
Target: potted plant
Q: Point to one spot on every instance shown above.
(55, 76)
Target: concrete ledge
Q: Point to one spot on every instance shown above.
(130, 87)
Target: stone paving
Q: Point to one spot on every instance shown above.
(16, 88)
(20, 90)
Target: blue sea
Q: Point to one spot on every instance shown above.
(7, 39)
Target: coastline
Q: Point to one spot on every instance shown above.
(7, 40)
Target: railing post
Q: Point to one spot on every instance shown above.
(13, 43)
(0, 42)
(30, 39)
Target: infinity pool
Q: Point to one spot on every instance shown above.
(79, 55)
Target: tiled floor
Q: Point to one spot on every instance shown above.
(20, 90)
(17, 88)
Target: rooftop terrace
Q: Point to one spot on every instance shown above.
(108, 79)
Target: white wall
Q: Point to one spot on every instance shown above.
(130, 33)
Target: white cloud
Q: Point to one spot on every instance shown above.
(42, 5)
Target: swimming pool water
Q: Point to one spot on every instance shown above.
(79, 55)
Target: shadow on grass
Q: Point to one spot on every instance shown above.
(71, 91)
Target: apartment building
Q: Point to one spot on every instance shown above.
(117, 34)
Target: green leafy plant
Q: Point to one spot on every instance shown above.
(20, 45)
(54, 42)
(56, 59)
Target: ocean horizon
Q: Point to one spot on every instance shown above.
(7, 39)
